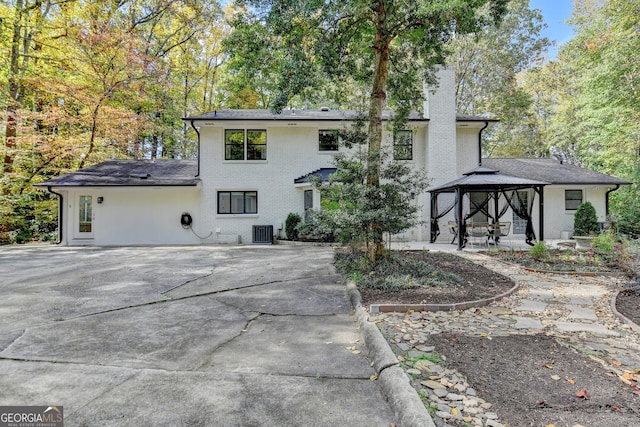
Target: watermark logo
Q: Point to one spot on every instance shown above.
(31, 416)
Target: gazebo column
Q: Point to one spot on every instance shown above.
(541, 212)
(459, 217)
(432, 231)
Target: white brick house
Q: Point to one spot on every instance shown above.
(247, 177)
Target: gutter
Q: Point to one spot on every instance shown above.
(198, 133)
(486, 125)
(606, 199)
(60, 211)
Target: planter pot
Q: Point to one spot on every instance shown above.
(583, 243)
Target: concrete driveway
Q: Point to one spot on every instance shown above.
(183, 336)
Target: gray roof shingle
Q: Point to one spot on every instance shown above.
(552, 171)
(131, 173)
(311, 115)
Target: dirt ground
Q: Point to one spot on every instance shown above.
(514, 373)
(477, 283)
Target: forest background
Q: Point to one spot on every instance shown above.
(82, 82)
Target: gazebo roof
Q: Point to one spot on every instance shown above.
(483, 178)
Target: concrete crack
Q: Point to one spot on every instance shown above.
(24, 331)
(251, 317)
(185, 283)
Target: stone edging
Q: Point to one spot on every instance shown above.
(621, 316)
(386, 308)
(394, 383)
(575, 273)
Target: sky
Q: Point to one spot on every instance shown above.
(555, 13)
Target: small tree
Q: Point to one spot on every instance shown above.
(291, 226)
(585, 221)
(364, 213)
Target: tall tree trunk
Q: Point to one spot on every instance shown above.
(92, 138)
(11, 130)
(375, 246)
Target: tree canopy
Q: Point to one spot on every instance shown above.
(388, 46)
(86, 81)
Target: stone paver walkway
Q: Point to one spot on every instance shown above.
(575, 308)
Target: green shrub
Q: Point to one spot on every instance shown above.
(604, 243)
(291, 226)
(585, 221)
(539, 250)
(393, 272)
(319, 226)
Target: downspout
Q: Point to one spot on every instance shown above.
(606, 200)
(198, 133)
(486, 125)
(60, 210)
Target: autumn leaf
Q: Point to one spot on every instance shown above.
(571, 381)
(555, 377)
(373, 377)
(548, 366)
(616, 363)
(583, 394)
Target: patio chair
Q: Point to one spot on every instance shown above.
(501, 230)
(478, 233)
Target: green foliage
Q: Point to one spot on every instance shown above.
(393, 272)
(487, 65)
(291, 226)
(320, 226)
(585, 221)
(540, 251)
(604, 243)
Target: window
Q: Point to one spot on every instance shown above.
(572, 199)
(237, 202)
(308, 200)
(85, 214)
(328, 140)
(403, 145)
(241, 145)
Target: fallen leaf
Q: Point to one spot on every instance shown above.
(548, 366)
(356, 352)
(454, 411)
(617, 407)
(555, 377)
(373, 377)
(583, 394)
(550, 425)
(616, 363)
(571, 381)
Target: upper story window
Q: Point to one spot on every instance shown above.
(403, 145)
(572, 199)
(328, 140)
(240, 144)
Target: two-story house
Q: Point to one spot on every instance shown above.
(251, 173)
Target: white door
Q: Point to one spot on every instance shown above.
(85, 217)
